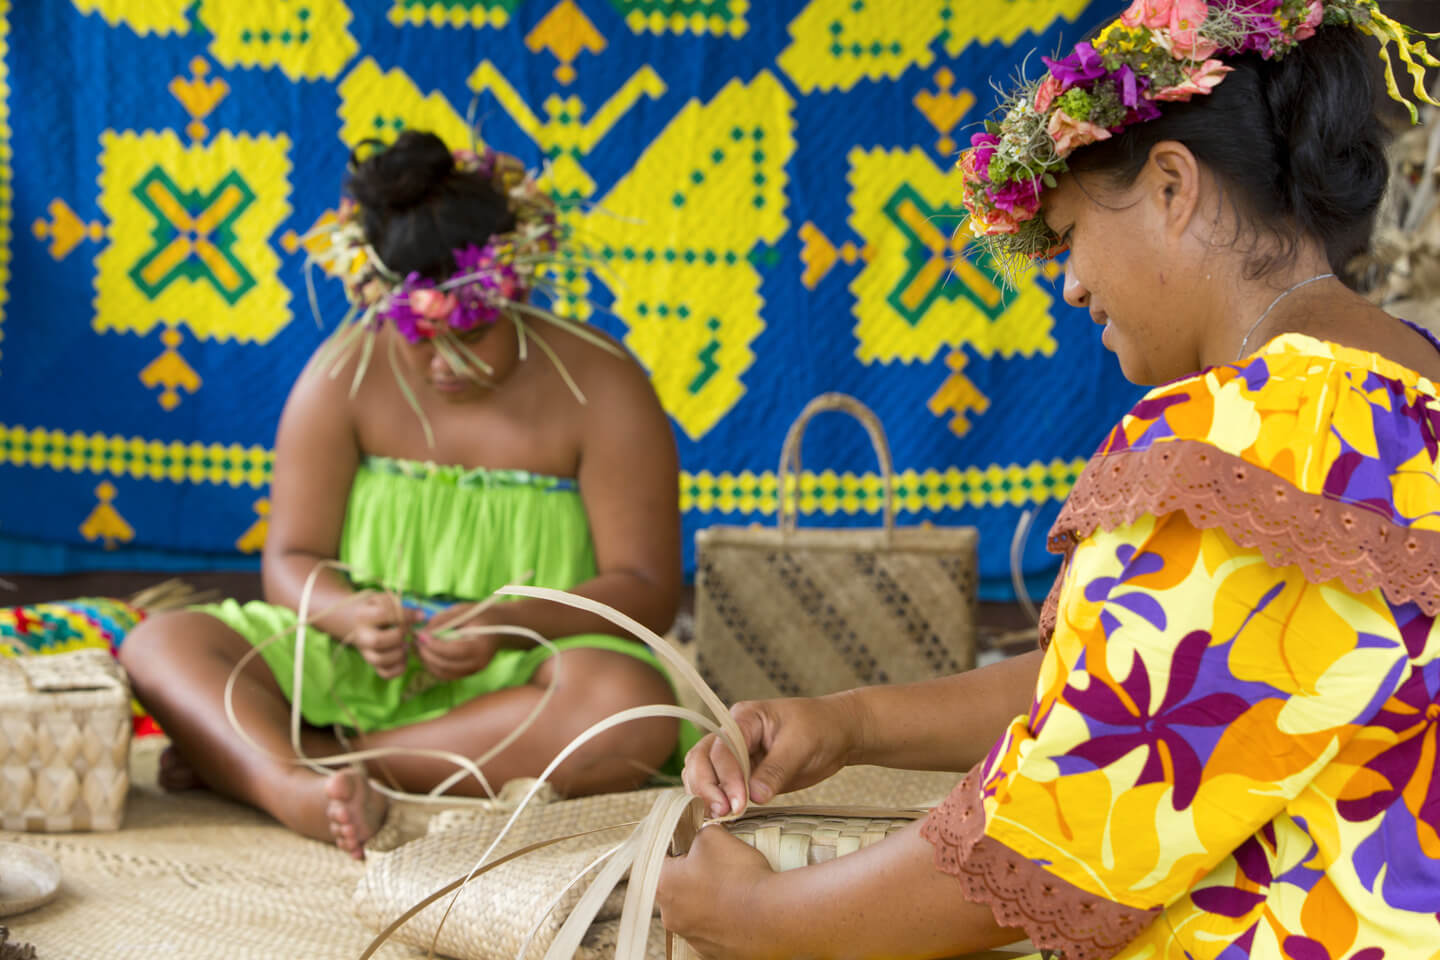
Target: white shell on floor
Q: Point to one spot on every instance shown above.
(28, 878)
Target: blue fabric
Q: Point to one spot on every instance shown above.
(139, 396)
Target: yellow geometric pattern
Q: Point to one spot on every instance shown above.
(64, 229)
(198, 96)
(997, 485)
(253, 539)
(838, 43)
(565, 31)
(213, 463)
(7, 177)
(908, 212)
(190, 236)
(692, 323)
(944, 108)
(170, 372)
(105, 522)
(142, 16)
(376, 105)
(307, 41)
(958, 396)
(565, 136)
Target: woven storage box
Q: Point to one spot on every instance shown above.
(64, 742)
(784, 612)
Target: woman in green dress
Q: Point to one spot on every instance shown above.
(538, 456)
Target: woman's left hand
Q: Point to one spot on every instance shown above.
(704, 896)
(458, 655)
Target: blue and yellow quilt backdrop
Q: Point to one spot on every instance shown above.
(769, 183)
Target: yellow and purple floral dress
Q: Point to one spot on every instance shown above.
(1232, 747)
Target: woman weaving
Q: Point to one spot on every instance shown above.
(1227, 747)
(541, 455)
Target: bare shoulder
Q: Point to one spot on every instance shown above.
(321, 397)
(607, 373)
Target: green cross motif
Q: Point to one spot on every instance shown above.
(936, 267)
(194, 235)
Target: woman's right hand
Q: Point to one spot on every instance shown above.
(379, 627)
(793, 743)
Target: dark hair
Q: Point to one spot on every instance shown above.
(1295, 142)
(417, 207)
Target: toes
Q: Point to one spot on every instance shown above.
(340, 786)
(338, 812)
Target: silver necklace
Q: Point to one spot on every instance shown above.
(1274, 303)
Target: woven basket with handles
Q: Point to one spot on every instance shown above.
(788, 836)
(64, 742)
(788, 612)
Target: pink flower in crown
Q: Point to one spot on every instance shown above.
(1020, 198)
(423, 328)
(1154, 14)
(1313, 18)
(432, 304)
(1202, 79)
(1184, 31)
(1050, 88)
(1176, 24)
(1070, 134)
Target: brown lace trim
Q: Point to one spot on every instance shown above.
(1050, 609)
(1056, 914)
(1328, 539)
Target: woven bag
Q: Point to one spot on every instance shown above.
(64, 742)
(784, 612)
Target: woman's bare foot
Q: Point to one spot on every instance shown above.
(175, 773)
(355, 811)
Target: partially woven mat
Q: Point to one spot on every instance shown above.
(193, 875)
(495, 912)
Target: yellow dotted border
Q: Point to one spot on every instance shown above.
(215, 463)
(699, 24)
(916, 491)
(413, 13)
(7, 174)
(997, 485)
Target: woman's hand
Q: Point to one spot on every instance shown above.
(379, 627)
(793, 744)
(459, 654)
(707, 895)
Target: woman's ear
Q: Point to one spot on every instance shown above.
(1172, 176)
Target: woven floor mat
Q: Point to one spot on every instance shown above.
(193, 875)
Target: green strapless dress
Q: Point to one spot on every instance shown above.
(440, 535)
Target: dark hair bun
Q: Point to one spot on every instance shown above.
(403, 175)
(417, 208)
(1331, 143)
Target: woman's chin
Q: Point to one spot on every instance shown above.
(457, 388)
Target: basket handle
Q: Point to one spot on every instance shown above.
(790, 455)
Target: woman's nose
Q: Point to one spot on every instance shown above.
(1075, 292)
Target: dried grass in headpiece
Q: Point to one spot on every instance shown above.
(1158, 51)
(493, 283)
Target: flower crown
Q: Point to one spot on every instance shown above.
(491, 283)
(1158, 51)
